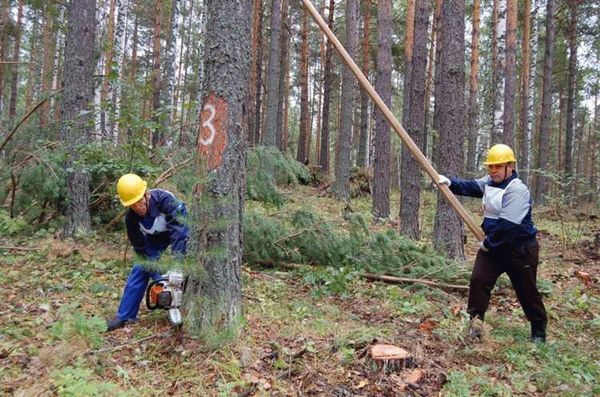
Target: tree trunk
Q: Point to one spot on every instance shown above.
(430, 73)
(254, 88)
(408, 52)
(499, 71)
(362, 159)
(571, 89)
(410, 175)
(447, 232)
(169, 66)
(438, 51)
(381, 163)
(119, 49)
(12, 107)
(4, 23)
(327, 87)
(48, 63)
(108, 60)
(341, 187)
(284, 39)
(269, 136)
(214, 295)
(33, 54)
(156, 80)
(508, 118)
(473, 112)
(544, 132)
(524, 148)
(77, 97)
(302, 153)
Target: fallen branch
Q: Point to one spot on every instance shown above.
(378, 277)
(109, 349)
(8, 248)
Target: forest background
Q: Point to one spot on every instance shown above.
(309, 178)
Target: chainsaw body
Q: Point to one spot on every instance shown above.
(167, 293)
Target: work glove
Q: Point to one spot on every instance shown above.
(444, 181)
(483, 247)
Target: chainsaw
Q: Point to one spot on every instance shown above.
(167, 293)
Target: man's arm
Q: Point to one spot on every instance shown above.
(469, 187)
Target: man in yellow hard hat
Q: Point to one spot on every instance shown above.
(154, 221)
(510, 245)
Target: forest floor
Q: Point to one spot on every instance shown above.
(57, 294)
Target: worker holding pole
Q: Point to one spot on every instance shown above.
(524, 278)
(510, 245)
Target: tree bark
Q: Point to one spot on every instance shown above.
(48, 63)
(410, 175)
(284, 63)
(525, 95)
(108, 59)
(499, 74)
(508, 118)
(75, 116)
(473, 112)
(214, 296)
(12, 106)
(341, 186)
(156, 80)
(255, 68)
(302, 152)
(447, 232)
(362, 159)
(4, 23)
(269, 136)
(571, 89)
(541, 186)
(327, 88)
(381, 163)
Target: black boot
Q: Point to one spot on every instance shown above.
(538, 332)
(114, 323)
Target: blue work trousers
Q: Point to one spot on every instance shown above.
(134, 291)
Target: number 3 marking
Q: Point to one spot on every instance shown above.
(208, 124)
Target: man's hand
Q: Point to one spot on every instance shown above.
(444, 181)
(483, 247)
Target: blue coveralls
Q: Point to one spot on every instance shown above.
(150, 236)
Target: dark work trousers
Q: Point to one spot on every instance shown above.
(521, 266)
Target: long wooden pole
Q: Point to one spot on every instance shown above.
(416, 152)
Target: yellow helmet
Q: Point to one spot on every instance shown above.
(500, 154)
(131, 189)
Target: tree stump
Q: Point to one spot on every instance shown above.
(390, 358)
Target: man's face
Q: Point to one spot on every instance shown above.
(499, 172)
(141, 207)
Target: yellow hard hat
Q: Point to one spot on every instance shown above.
(500, 154)
(131, 189)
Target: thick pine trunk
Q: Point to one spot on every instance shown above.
(77, 97)
(48, 63)
(381, 163)
(214, 295)
(362, 159)
(4, 23)
(410, 173)
(269, 136)
(541, 186)
(341, 187)
(447, 232)
(473, 111)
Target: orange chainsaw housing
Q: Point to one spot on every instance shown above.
(154, 293)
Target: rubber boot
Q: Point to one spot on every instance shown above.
(538, 332)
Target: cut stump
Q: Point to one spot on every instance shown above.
(390, 358)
